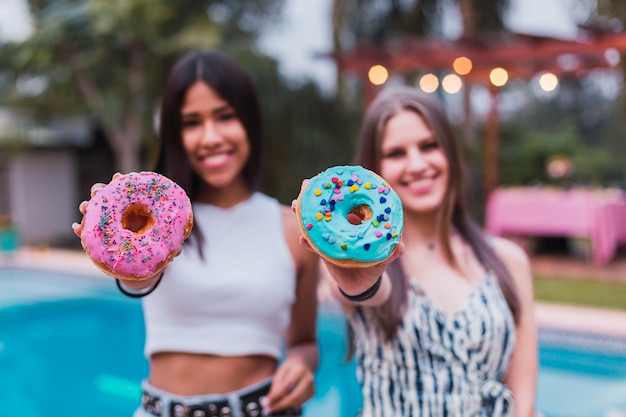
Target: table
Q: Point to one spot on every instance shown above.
(596, 214)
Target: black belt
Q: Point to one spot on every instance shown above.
(250, 405)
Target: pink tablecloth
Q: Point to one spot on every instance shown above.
(599, 215)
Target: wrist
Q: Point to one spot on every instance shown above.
(138, 293)
(365, 295)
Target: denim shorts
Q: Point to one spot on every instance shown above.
(242, 403)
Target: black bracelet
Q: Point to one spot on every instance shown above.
(365, 295)
(137, 294)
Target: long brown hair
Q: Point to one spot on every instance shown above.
(453, 214)
(234, 85)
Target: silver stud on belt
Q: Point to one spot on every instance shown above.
(154, 408)
(225, 412)
(253, 409)
(180, 411)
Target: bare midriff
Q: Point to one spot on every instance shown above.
(198, 374)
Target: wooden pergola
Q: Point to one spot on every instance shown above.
(522, 56)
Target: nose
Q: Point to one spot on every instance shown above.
(210, 134)
(416, 161)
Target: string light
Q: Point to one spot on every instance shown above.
(378, 74)
(498, 76)
(429, 83)
(452, 83)
(548, 81)
(462, 65)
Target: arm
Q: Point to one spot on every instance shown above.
(294, 380)
(522, 374)
(353, 281)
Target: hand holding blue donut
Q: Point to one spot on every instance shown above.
(350, 216)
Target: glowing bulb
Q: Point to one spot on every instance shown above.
(548, 81)
(462, 65)
(429, 83)
(378, 74)
(612, 56)
(498, 76)
(451, 83)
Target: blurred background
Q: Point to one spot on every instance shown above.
(533, 87)
(80, 84)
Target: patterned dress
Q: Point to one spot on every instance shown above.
(438, 364)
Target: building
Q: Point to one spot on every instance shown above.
(45, 171)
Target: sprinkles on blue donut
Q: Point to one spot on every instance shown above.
(350, 213)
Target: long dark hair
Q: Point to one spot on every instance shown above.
(453, 214)
(233, 84)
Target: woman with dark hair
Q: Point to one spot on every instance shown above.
(450, 330)
(230, 324)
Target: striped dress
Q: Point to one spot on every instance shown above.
(438, 364)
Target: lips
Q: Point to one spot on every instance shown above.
(215, 161)
(421, 185)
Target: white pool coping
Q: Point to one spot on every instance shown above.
(70, 261)
(603, 321)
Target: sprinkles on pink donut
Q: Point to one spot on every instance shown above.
(136, 224)
(350, 213)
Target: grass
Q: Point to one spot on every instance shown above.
(584, 292)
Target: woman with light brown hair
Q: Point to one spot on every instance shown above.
(450, 330)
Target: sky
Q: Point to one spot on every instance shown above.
(14, 21)
(307, 31)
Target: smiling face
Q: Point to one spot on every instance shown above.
(414, 163)
(214, 139)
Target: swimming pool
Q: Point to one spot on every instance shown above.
(73, 346)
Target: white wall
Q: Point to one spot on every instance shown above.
(42, 190)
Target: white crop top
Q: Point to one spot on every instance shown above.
(235, 301)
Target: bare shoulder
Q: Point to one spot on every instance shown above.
(517, 262)
(510, 252)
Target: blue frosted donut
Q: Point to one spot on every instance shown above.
(348, 213)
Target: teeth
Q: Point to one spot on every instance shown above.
(421, 182)
(215, 159)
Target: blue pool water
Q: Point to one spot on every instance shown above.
(72, 346)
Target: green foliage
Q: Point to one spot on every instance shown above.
(587, 292)
(374, 21)
(109, 58)
(526, 152)
(579, 123)
(305, 131)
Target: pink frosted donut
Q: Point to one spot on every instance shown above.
(136, 224)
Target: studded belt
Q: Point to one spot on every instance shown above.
(249, 406)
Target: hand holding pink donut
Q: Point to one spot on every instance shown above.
(134, 226)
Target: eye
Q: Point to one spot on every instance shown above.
(393, 153)
(189, 123)
(226, 116)
(225, 113)
(429, 146)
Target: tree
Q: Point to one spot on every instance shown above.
(109, 58)
(305, 130)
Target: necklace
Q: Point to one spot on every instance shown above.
(431, 245)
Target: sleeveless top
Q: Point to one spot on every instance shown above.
(438, 364)
(235, 301)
